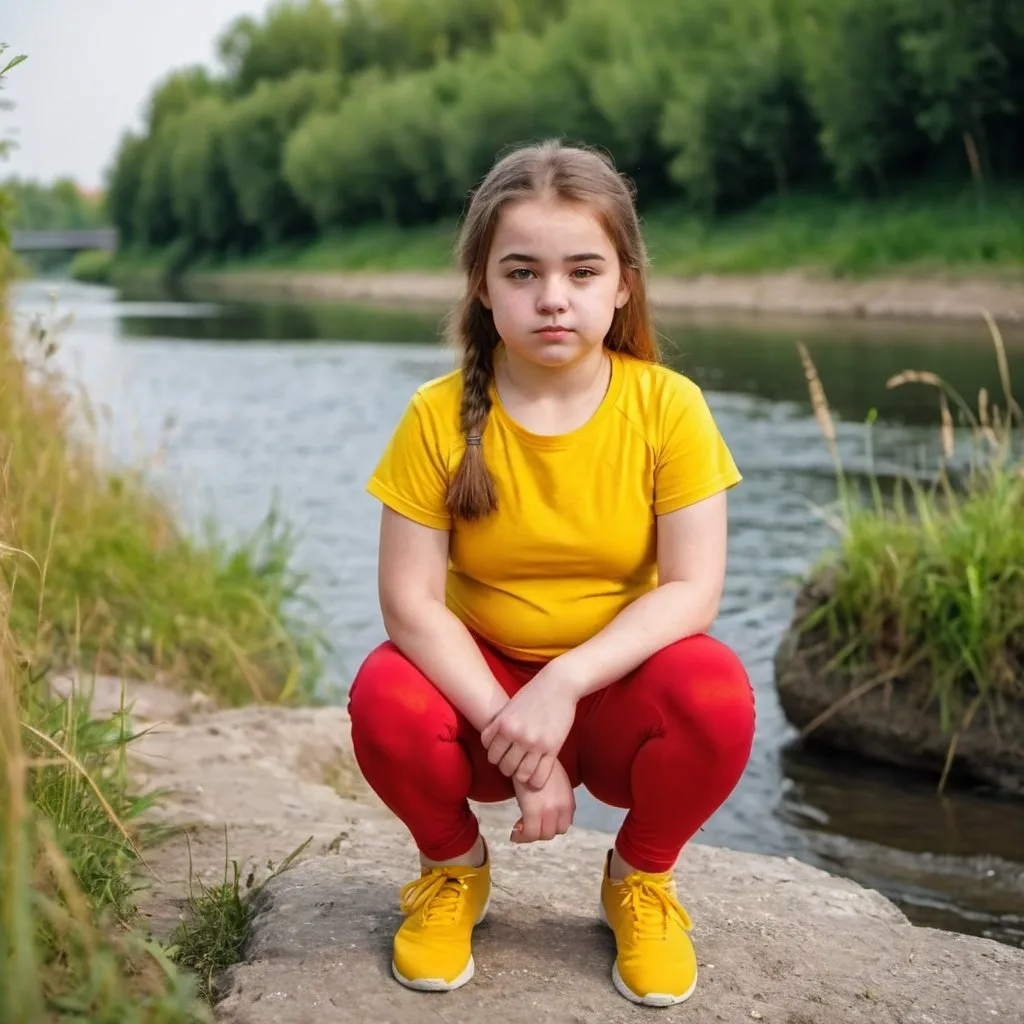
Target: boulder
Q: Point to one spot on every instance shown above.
(896, 721)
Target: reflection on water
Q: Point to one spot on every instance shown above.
(294, 402)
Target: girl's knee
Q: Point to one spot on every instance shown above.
(702, 685)
(391, 703)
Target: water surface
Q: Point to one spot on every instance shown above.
(255, 404)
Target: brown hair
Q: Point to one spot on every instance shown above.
(551, 169)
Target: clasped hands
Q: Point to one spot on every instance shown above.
(523, 741)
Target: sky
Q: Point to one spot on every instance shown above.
(91, 67)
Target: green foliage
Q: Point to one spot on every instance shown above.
(6, 203)
(331, 115)
(69, 867)
(295, 36)
(123, 187)
(211, 934)
(925, 232)
(734, 117)
(93, 266)
(252, 139)
(927, 584)
(125, 588)
(856, 86)
(154, 219)
(960, 58)
(204, 204)
(56, 207)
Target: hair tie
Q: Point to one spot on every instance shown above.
(474, 439)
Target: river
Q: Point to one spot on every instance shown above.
(256, 404)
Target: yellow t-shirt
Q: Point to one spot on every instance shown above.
(573, 541)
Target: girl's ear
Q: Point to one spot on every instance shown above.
(622, 295)
(484, 298)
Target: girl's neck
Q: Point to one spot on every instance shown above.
(531, 381)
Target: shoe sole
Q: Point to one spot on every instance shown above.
(652, 998)
(439, 984)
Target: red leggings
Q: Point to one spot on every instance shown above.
(669, 742)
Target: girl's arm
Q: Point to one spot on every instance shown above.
(530, 729)
(411, 572)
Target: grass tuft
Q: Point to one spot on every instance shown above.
(926, 584)
(212, 935)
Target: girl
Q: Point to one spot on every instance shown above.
(552, 553)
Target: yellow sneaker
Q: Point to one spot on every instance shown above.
(433, 946)
(656, 964)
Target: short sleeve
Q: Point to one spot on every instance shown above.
(693, 460)
(412, 475)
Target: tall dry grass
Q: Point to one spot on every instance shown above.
(69, 822)
(69, 853)
(125, 588)
(926, 584)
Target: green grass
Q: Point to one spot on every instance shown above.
(924, 232)
(376, 247)
(918, 234)
(213, 932)
(127, 591)
(93, 571)
(70, 864)
(927, 583)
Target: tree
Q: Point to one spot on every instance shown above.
(294, 37)
(204, 201)
(856, 84)
(155, 223)
(124, 180)
(176, 93)
(958, 57)
(255, 133)
(734, 121)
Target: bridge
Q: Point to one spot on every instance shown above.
(64, 241)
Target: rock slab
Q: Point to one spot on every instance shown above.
(777, 940)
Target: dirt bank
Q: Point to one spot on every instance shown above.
(778, 941)
(906, 298)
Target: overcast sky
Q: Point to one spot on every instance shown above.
(91, 65)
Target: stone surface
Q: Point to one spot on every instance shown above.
(775, 939)
(897, 723)
(147, 702)
(778, 941)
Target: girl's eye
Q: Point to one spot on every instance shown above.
(582, 273)
(521, 274)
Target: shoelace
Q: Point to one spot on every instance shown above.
(653, 907)
(436, 893)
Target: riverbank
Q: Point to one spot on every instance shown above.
(264, 781)
(789, 294)
(934, 252)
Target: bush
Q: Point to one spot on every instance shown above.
(93, 266)
(927, 584)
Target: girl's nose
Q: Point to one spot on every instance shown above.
(553, 298)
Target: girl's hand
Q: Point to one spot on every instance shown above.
(547, 812)
(524, 738)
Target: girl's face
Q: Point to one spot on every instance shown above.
(553, 281)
